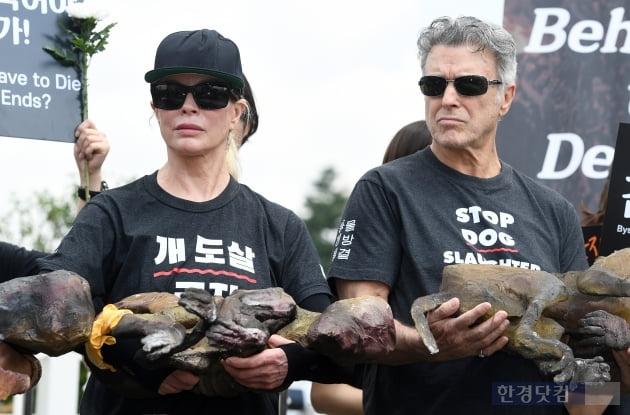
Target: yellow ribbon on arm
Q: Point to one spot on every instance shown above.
(101, 328)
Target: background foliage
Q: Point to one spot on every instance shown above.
(325, 206)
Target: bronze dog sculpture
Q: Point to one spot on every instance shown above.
(542, 307)
(53, 314)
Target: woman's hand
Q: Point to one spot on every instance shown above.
(266, 370)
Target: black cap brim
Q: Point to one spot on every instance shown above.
(156, 74)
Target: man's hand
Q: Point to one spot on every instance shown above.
(456, 337)
(459, 336)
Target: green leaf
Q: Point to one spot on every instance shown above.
(62, 56)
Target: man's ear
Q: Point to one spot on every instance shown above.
(508, 97)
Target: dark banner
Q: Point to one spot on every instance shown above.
(573, 90)
(39, 98)
(616, 228)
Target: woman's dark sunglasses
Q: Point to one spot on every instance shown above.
(207, 96)
(469, 85)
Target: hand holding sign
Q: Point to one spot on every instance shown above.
(84, 41)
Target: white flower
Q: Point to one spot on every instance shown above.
(85, 10)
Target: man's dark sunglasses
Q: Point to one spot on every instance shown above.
(207, 96)
(469, 85)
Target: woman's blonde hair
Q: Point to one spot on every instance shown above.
(231, 156)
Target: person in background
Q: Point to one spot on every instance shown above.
(198, 227)
(596, 218)
(455, 201)
(17, 261)
(347, 399)
(411, 138)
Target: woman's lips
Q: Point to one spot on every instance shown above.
(188, 128)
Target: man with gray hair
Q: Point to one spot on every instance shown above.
(453, 202)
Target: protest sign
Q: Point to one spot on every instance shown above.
(39, 98)
(616, 227)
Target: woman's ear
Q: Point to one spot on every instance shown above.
(239, 106)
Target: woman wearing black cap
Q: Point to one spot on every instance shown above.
(191, 224)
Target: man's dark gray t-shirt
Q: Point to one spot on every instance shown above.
(405, 221)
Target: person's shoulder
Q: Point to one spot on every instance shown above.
(119, 198)
(398, 169)
(256, 200)
(17, 261)
(532, 184)
(129, 188)
(541, 191)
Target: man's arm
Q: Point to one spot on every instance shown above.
(456, 336)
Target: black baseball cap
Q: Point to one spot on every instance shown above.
(204, 52)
